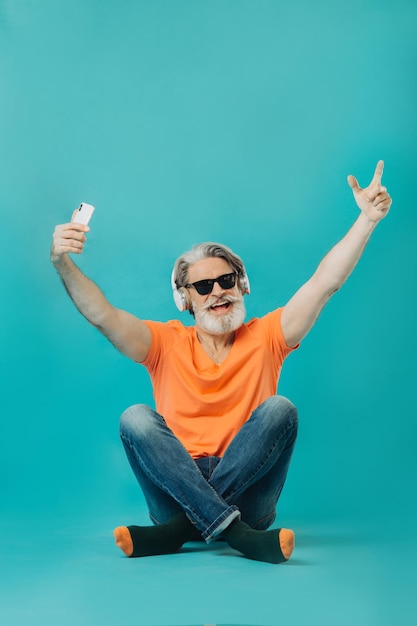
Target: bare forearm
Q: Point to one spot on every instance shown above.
(125, 331)
(86, 295)
(302, 310)
(339, 263)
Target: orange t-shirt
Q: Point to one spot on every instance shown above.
(206, 404)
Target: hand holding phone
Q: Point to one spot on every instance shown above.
(67, 239)
(84, 213)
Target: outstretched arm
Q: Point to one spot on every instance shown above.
(305, 306)
(128, 334)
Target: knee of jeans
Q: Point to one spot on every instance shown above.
(135, 419)
(281, 411)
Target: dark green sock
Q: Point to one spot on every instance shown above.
(260, 545)
(163, 538)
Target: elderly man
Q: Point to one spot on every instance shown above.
(213, 458)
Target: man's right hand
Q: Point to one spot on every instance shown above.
(68, 238)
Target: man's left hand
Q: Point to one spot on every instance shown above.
(374, 201)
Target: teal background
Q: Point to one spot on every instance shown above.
(186, 121)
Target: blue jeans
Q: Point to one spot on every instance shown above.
(245, 483)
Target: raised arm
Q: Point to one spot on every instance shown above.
(125, 331)
(305, 306)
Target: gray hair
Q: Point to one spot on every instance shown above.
(204, 251)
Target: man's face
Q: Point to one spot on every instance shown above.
(221, 311)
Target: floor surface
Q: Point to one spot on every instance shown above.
(70, 573)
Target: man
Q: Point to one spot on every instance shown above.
(213, 458)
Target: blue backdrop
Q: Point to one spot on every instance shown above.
(187, 121)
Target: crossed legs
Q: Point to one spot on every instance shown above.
(231, 497)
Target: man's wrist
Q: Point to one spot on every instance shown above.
(366, 224)
(59, 261)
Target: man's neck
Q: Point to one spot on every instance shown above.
(216, 346)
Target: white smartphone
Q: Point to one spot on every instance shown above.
(84, 213)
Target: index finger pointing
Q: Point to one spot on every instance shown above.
(379, 170)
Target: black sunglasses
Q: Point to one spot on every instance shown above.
(204, 287)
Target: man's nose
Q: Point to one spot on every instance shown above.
(217, 290)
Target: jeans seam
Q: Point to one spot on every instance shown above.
(156, 481)
(244, 485)
(232, 512)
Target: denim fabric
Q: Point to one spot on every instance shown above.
(246, 482)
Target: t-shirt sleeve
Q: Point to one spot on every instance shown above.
(275, 334)
(163, 336)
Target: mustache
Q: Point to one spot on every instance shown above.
(226, 299)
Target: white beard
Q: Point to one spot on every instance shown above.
(219, 325)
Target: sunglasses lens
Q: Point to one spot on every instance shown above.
(227, 281)
(204, 287)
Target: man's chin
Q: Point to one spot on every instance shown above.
(216, 324)
(216, 329)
